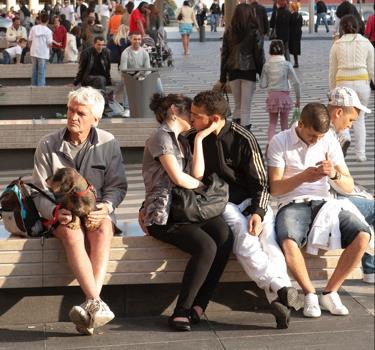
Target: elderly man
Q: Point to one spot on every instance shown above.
(15, 32)
(96, 154)
(94, 66)
(301, 161)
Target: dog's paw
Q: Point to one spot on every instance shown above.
(75, 224)
(89, 225)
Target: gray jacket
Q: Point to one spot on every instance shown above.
(276, 75)
(102, 166)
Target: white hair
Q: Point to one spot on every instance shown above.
(91, 97)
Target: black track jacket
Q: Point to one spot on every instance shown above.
(236, 157)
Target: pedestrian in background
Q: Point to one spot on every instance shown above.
(276, 75)
(321, 14)
(295, 35)
(215, 15)
(242, 58)
(351, 64)
(186, 21)
(280, 23)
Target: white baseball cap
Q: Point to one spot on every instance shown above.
(345, 97)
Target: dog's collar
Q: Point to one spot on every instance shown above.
(84, 192)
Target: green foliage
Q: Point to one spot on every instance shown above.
(171, 3)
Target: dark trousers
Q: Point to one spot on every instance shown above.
(59, 53)
(95, 81)
(209, 244)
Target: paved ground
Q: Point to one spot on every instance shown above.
(228, 329)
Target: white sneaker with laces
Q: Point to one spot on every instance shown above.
(79, 316)
(311, 306)
(99, 312)
(369, 278)
(333, 304)
(126, 113)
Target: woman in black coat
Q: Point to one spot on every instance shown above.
(295, 33)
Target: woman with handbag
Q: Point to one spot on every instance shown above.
(168, 163)
(242, 59)
(186, 21)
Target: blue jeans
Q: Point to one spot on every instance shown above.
(319, 17)
(38, 77)
(6, 58)
(366, 207)
(214, 21)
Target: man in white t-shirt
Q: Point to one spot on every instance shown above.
(40, 39)
(14, 52)
(68, 11)
(300, 162)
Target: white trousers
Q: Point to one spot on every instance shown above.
(243, 93)
(362, 88)
(260, 257)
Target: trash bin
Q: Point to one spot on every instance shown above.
(202, 33)
(140, 91)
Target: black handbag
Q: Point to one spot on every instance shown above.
(192, 206)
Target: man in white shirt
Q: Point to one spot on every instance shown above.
(68, 11)
(300, 162)
(15, 32)
(40, 39)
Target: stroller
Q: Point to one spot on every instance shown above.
(158, 50)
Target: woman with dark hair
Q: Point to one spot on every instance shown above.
(167, 162)
(295, 34)
(242, 57)
(186, 21)
(139, 19)
(351, 64)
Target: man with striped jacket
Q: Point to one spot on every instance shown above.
(233, 153)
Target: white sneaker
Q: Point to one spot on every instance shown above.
(126, 113)
(369, 278)
(79, 316)
(311, 306)
(361, 158)
(333, 304)
(99, 312)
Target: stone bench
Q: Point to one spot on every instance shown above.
(25, 134)
(36, 263)
(56, 74)
(25, 102)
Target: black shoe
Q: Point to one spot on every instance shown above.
(181, 326)
(295, 65)
(194, 317)
(282, 314)
(289, 297)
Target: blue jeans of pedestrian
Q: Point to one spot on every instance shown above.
(214, 21)
(366, 207)
(38, 77)
(6, 58)
(319, 17)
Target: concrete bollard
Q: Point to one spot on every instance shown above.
(202, 34)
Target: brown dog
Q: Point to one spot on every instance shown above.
(73, 192)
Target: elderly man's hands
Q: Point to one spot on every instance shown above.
(97, 216)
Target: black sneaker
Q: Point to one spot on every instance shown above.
(289, 297)
(344, 146)
(281, 313)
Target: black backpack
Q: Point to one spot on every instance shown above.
(18, 211)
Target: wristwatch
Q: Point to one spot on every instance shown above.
(337, 176)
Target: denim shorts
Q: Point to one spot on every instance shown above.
(294, 221)
(185, 28)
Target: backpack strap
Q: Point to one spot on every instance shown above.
(42, 192)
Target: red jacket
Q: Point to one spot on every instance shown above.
(59, 35)
(370, 29)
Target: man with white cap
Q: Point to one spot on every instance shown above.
(301, 160)
(344, 107)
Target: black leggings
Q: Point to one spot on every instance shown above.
(209, 244)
